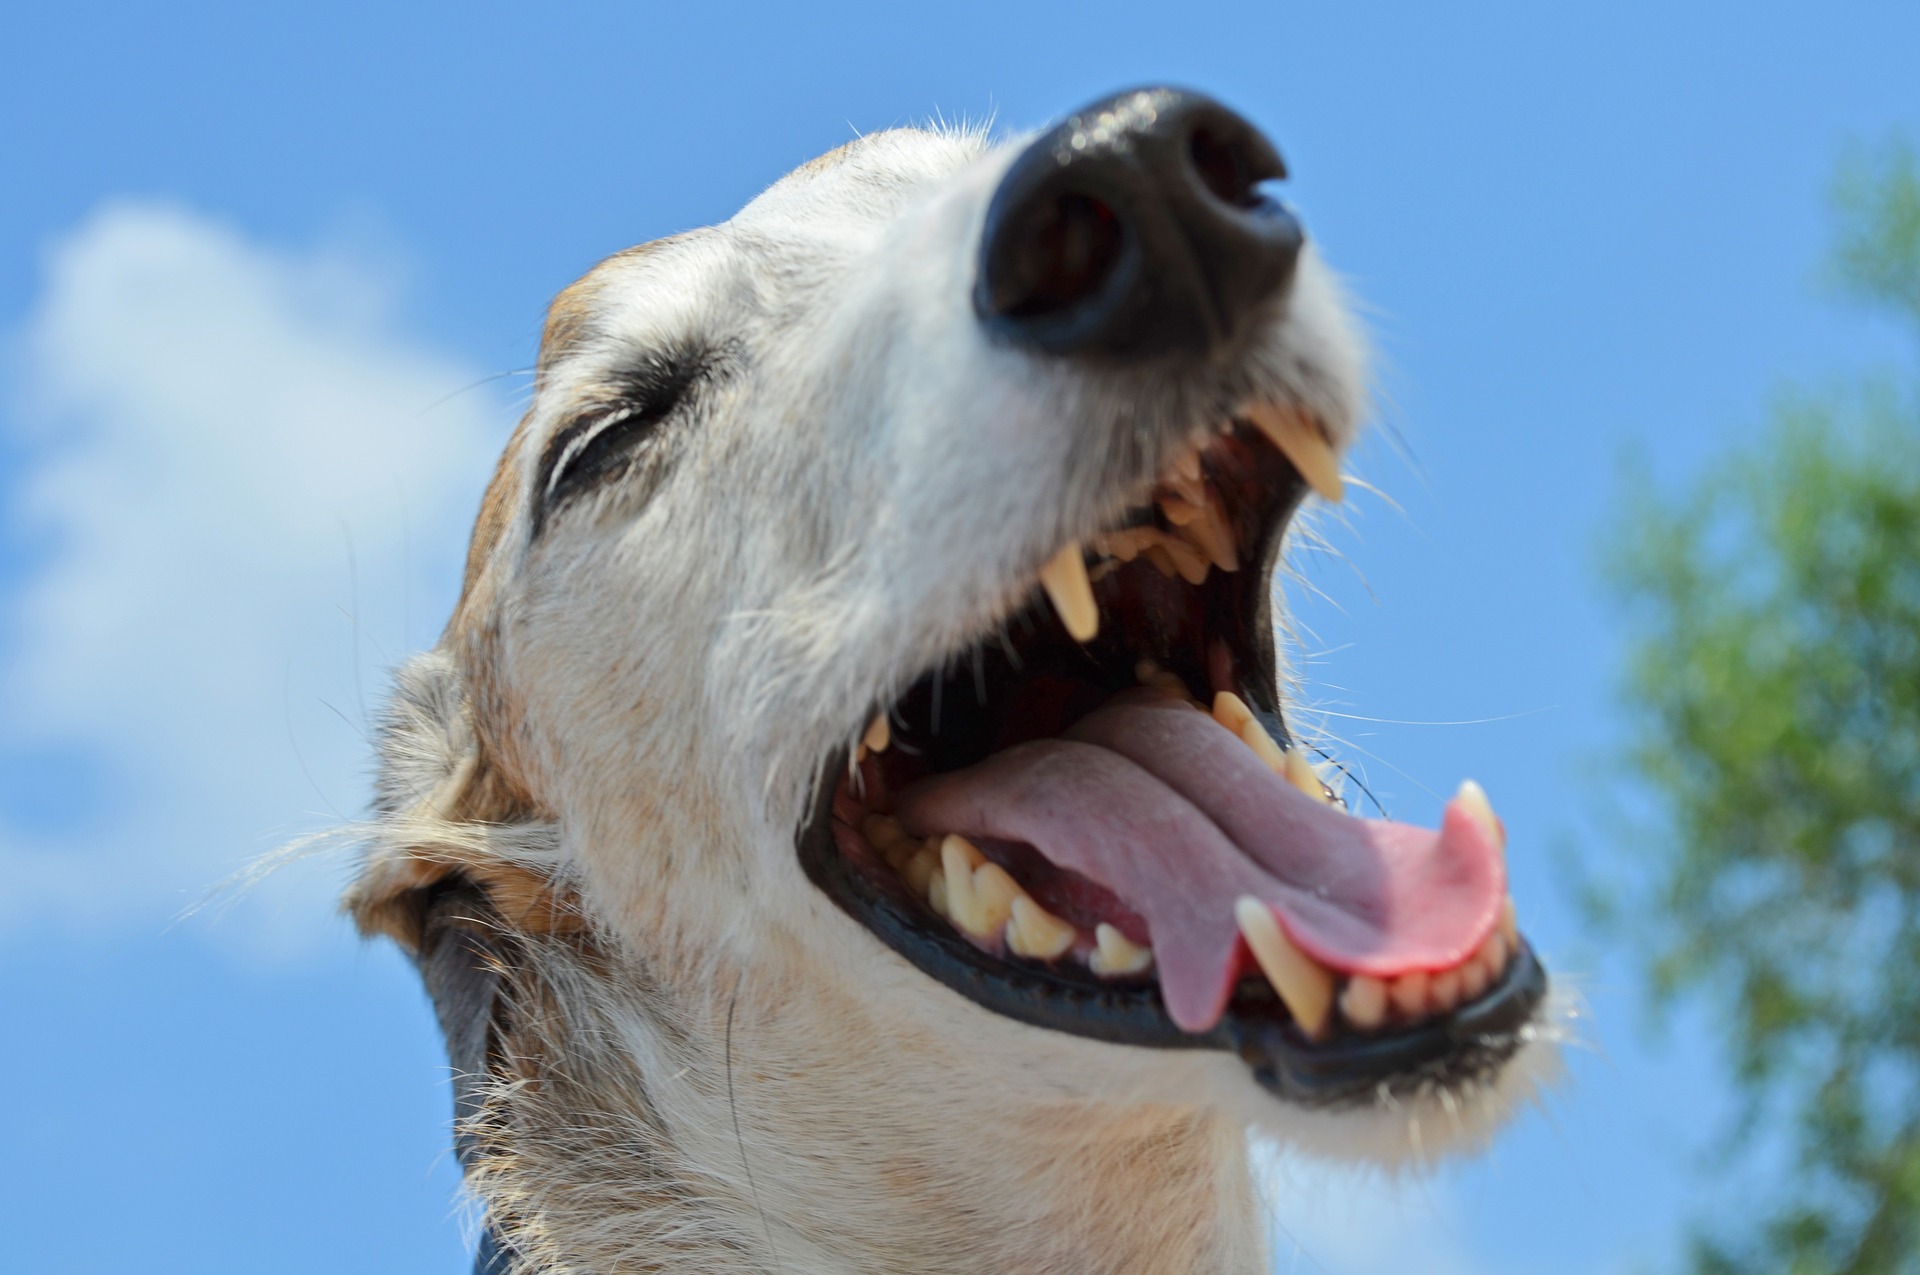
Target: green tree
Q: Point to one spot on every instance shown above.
(1773, 693)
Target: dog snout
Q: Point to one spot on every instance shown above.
(1137, 228)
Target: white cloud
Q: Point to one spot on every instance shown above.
(216, 434)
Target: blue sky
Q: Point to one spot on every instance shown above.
(253, 257)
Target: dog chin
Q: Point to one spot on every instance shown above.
(1404, 1134)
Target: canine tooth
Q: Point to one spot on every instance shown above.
(1115, 954)
(1035, 932)
(1363, 1002)
(1065, 580)
(1473, 799)
(1409, 994)
(879, 734)
(1256, 737)
(993, 894)
(1231, 711)
(1301, 442)
(1301, 774)
(1443, 993)
(1302, 982)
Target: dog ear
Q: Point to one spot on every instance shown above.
(442, 809)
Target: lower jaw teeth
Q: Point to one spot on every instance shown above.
(981, 899)
(1115, 955)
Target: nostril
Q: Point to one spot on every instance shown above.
(1063, 256)
(1139, 227)
(1224, 168)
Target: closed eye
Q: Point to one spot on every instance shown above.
(598, 446)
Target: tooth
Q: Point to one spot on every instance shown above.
(1364, 1002)
(1187, 465)
(964, 848)
(1037, 933)
(1231, 711)
(1115, 954)
(1179, 510)
(937, 893)
(1473, 799)
(1122, 544)
(1474, 978)
(993, 894)
(1443, 993)
(1187, 560)
(1256, 737)
(1493, 953)
(1066, 583)
(1211, 534)
(1301, 774)
(958, 859)
(1157, 554)
(879, 734)
(1301, 442)
(1303, 983)
(1409, 994)
(1147, 673)
(922, 870)
(1509, 924)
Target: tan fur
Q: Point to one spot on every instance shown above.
(703, 1064)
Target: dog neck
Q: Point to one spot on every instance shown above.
(620, 1118)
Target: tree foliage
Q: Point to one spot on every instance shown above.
(1773, 691)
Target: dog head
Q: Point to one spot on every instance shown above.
(875, 609)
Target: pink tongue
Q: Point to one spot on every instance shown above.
(1157, 802)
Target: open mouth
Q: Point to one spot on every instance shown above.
(1096, 821)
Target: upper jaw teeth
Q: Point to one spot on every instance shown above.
(1201, 536)
(1302, 441)
(981, 899)
(1071, 592)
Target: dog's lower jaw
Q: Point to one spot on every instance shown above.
(708, 1123)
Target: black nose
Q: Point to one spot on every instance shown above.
(1135, 229)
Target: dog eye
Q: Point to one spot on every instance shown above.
(597, 446)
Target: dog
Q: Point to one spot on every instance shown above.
(850, 821)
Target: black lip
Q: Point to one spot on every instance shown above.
(1455, 1048)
